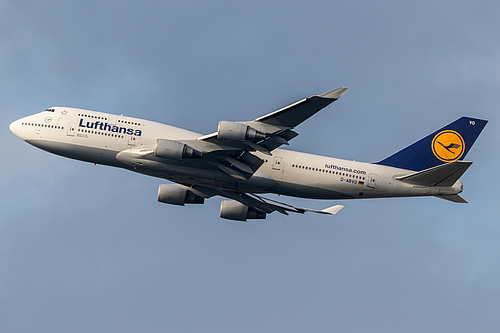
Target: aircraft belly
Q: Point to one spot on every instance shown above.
(312, 192)
(78, 152)
(263, 185)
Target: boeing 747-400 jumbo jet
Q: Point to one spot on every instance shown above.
(242, 159)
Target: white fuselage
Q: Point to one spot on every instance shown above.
(119, 141)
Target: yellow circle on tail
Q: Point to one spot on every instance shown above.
(448, 146)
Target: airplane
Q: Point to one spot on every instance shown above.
(242, 160)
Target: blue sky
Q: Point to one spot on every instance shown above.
(87, 248)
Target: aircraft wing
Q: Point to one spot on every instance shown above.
(277, 126)
(260, 203)
(294, 114)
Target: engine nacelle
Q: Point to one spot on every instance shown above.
(175, 150)
(177, 195)
(229, 130)
(233, 210)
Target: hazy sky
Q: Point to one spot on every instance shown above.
(87, 248)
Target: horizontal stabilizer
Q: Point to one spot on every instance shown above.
(452, 197)
(441, 175)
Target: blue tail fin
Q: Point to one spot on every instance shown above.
(448, 144)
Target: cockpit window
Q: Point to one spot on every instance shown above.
(50, 110)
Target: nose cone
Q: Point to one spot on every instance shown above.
(17, 128)
(14, 127)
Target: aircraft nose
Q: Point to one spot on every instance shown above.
(15, 127)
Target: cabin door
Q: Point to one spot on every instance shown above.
(277, 163)
(71, 130)
(372, 180)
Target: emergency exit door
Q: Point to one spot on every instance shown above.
(372, 180)
(277, 163)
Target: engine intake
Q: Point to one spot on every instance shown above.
(233, 210)
(229, 130)
(175, 150)
(177, 195)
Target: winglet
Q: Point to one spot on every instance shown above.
(332, 210)
(335, 94)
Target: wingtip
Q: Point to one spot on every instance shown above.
(453, 198)
(335, 94)
(333, 210)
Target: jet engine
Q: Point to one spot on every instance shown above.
(233, 210)
(229, 130)
(177, 195)
(175, 150)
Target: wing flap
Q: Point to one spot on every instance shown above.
(276, 140)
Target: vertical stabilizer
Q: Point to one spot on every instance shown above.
(448, 144)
